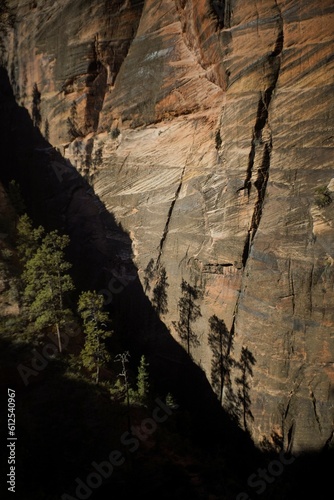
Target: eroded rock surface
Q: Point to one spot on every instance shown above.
(206, 128)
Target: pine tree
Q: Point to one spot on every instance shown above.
(94, 353)
(143, 385)
(47, 283)
(170, 401)
(29, 239)
(123, 358)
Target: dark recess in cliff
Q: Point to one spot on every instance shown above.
(222, 11)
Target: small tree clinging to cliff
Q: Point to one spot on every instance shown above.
(123, 358)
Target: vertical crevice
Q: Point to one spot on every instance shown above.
(314, 404)
(96, 81)
(169, 216)
(245, 252)
(261, 185)
(291, 286)
(258, 142)
(290, 437)
(328, 441)
(222, 11)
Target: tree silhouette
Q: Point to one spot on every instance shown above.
(148, 275)
(159, 298)
(245, 364)
(231, 402)
(189, 312)
(47, 130)
(220, 342)
(36, 106)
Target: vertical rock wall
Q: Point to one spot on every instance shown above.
(206, 128)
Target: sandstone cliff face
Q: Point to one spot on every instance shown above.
(206, 128)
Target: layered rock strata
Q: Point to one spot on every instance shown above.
(206, 129)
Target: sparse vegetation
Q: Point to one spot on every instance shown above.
(28, 238)
(115, 132)
(323, 197)
(143, 384)
(6, 254)
(218, 139)
(72, 122)
(47, 130)
(98, 157)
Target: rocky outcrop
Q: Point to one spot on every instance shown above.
(206, 129)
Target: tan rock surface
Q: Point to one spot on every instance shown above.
(206, 132)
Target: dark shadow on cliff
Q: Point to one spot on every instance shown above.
(57, 196)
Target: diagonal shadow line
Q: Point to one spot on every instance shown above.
(57, 196)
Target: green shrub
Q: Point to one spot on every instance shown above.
(323, 197)
(115, 133)
(218, 139)
(6, 254)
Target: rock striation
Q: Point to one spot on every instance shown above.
(206, 129)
